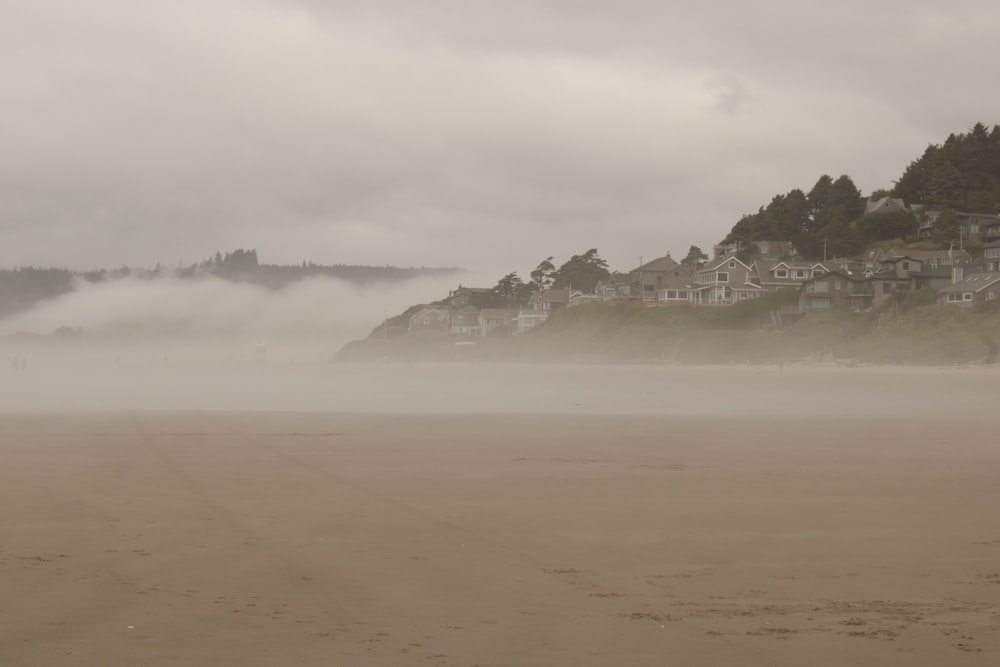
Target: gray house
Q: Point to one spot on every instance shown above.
(772, 275)
(653, 278)
(724, 281)
(429, 322)
(836, 288)
(965, 291)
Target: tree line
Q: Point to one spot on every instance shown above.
(960, 176)
(580, 272)
(23, 287)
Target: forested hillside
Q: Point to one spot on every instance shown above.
(961, 175)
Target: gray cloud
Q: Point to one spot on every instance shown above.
(482, 134)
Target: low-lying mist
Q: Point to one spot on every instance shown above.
(210, 344)
(213, 319)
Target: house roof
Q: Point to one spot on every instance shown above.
(977, 282)
(883, 203)
(665, 263)
(892, 259)
(925, 254)
(718, 264)
(765, 271)
(928, 272)
(551, 296)
(853, 277)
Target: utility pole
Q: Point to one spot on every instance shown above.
(641, 294)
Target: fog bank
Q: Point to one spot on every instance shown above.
(214, 319)
(53, 383)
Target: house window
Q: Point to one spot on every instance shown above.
(817, 272)
(682, 294)
(967, 296)
(781, 273)
(822, 286)
(722, 277)
(906, 266)
(732, 265)
(799, 273)
(954, 297)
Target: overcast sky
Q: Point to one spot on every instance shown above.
(488, 135)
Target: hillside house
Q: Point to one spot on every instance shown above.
(966, 290)
(991, 256)
(662, 280)
(464, 321)
(771, 275)
(497, 322)
(979, 227)
(723, 282)
(934, 258)
(896, 275)
(836, 288)
(578, 298)
(886, 205)
(766, 250)
(972, 226)
(527, 319)
(659, 276)
(469, 296)
(429, 321)
(618, 287)
(879, 260)
(549, 300)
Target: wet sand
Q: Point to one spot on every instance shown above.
(216, 538)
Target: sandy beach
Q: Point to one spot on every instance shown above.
(189, 537)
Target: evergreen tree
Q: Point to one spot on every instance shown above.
(962, 174)
(695, 257)
(582, 272)
(541, 277)
(510, 291)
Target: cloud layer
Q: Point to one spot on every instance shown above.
(486, 135)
